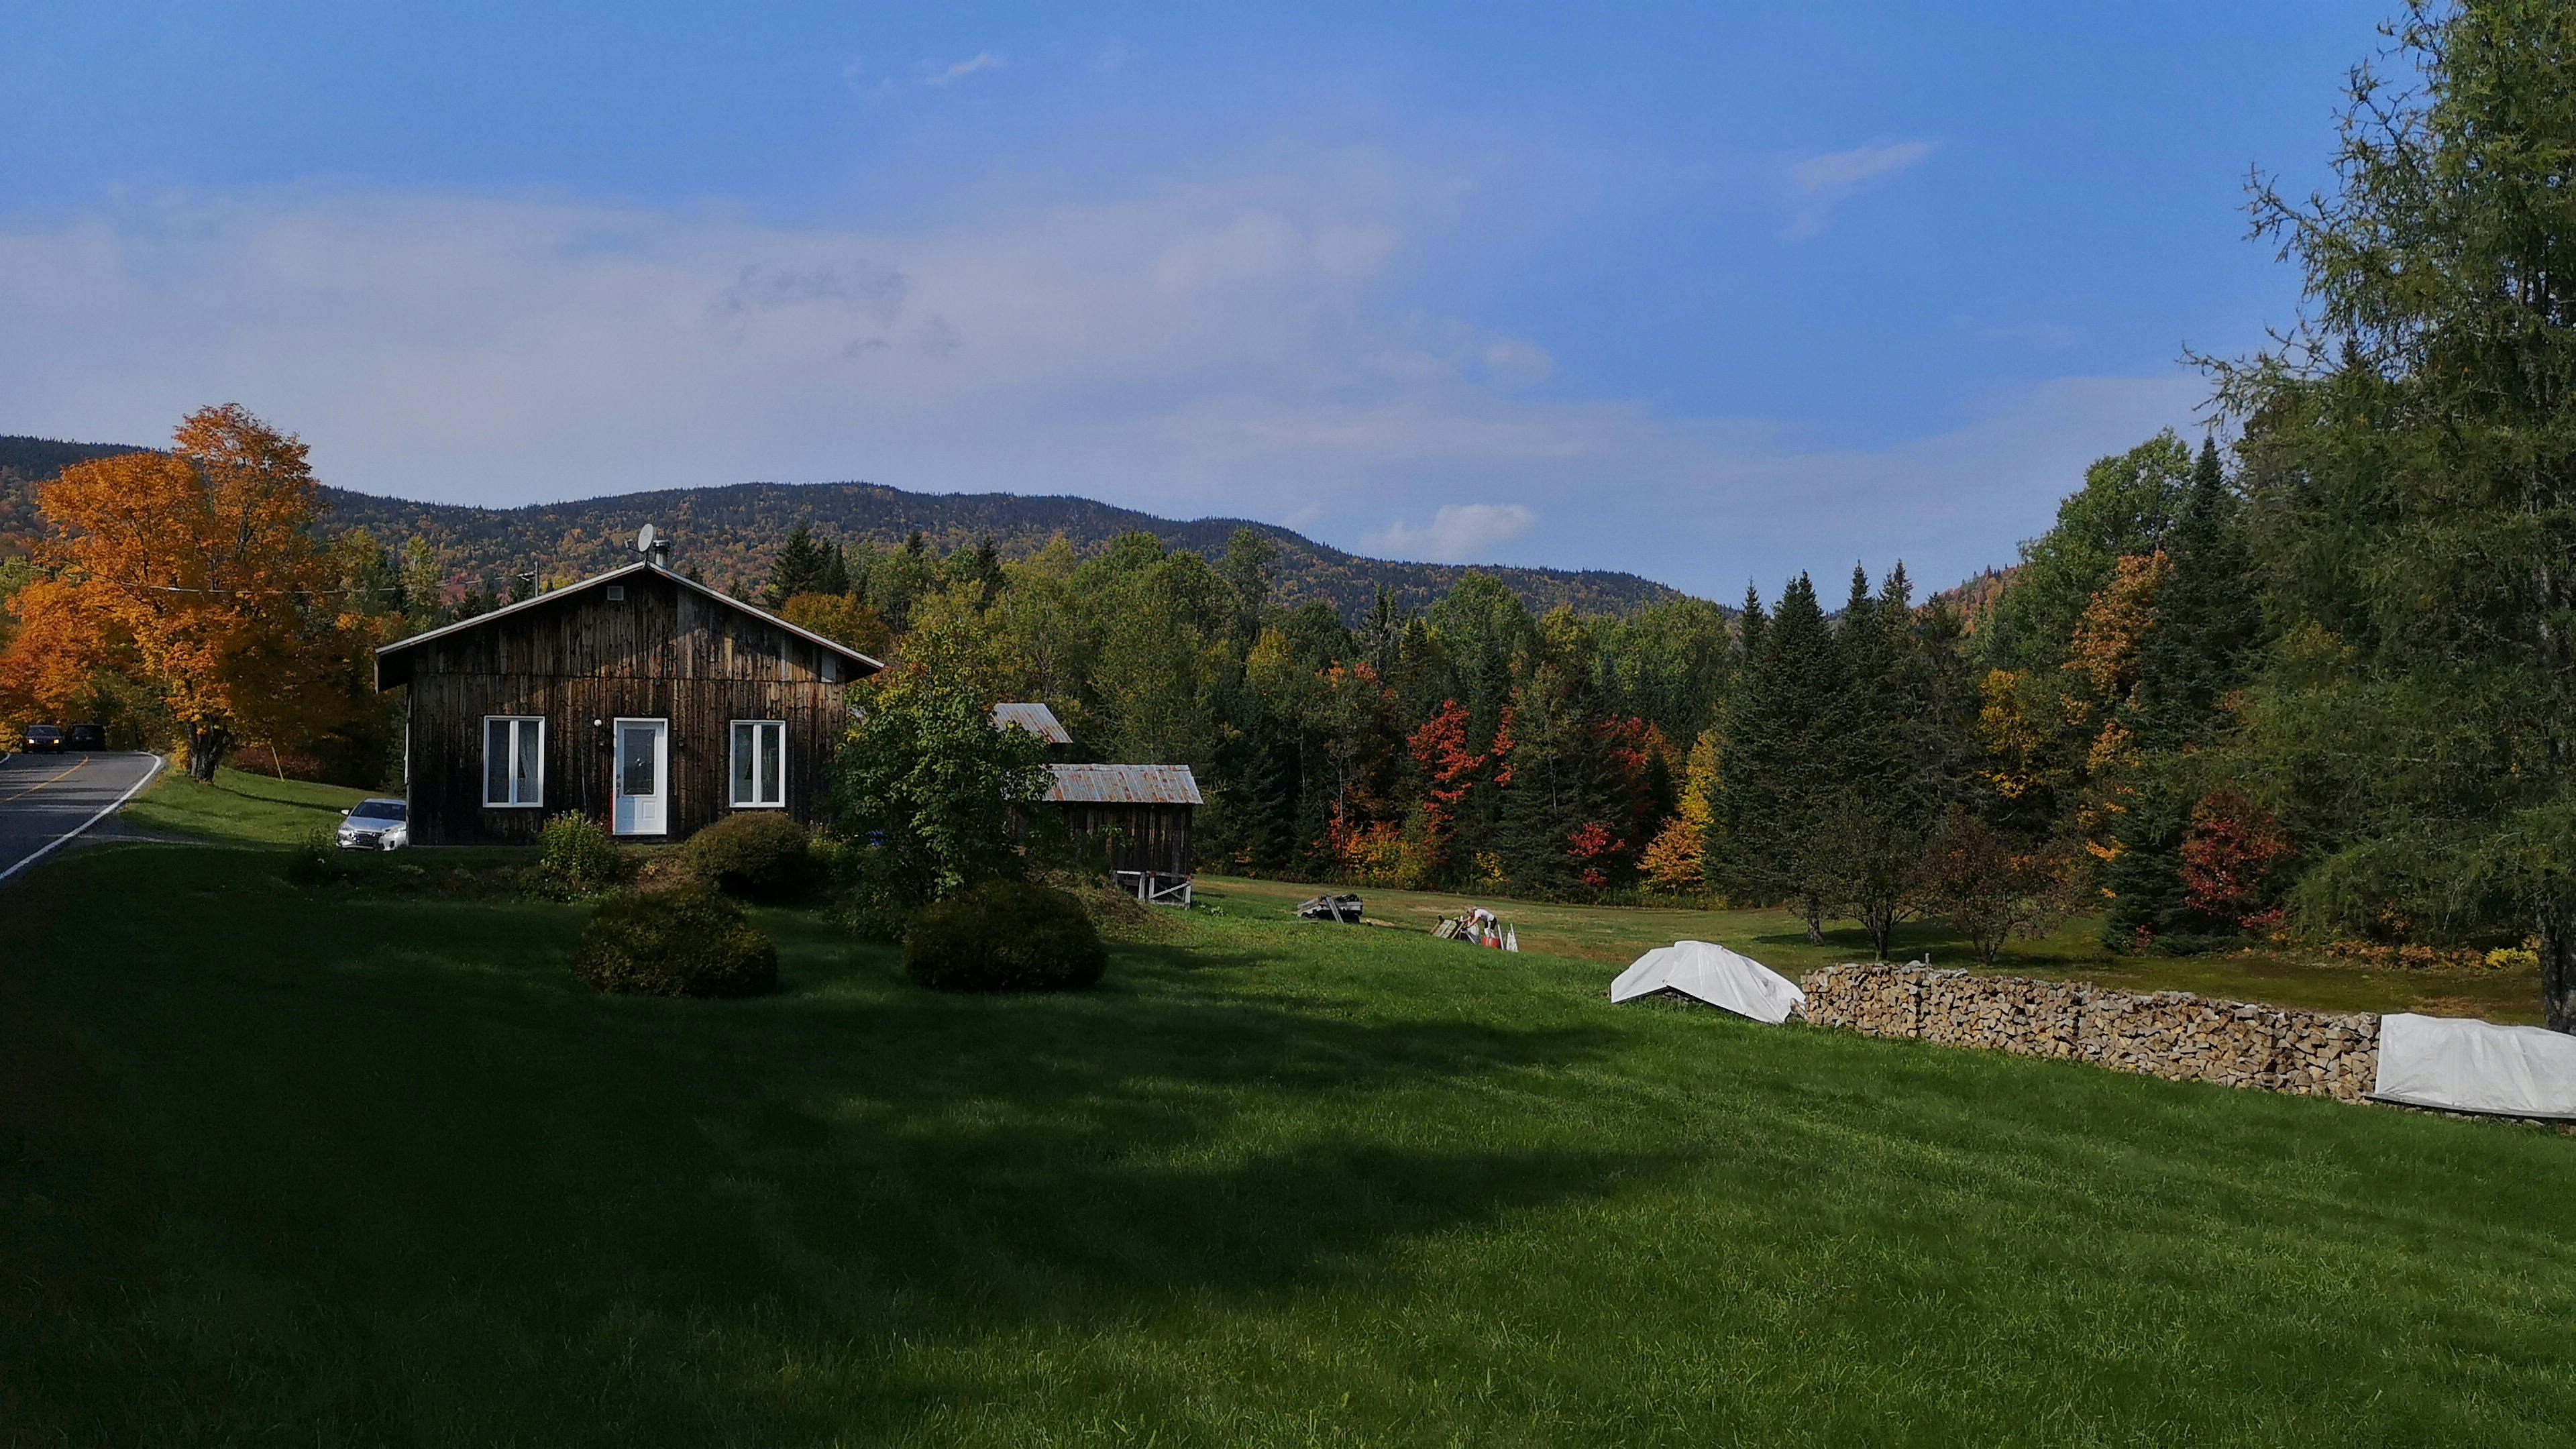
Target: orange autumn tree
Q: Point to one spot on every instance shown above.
(195, 573)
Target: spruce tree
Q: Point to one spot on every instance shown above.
(834, 578)
(1783, 761)
(797, 569)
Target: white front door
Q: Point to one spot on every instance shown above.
(643, 776)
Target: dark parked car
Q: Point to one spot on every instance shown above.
(89, 737)
(42, 739)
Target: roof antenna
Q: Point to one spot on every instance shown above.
(655, 548)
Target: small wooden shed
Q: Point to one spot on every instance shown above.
(1141, 814)
(638, 697)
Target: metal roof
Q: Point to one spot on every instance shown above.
(551, 596)
(1124, 785)
(1037, 719)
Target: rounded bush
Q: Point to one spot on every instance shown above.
(757, 855)
(576, 857)
(1004, 936)
(675, 943)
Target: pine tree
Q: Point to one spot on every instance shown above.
(1783, 751)
(1900, 748)
(798, 569)
(835, 576)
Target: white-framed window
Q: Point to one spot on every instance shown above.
(514, 762)
(759, 764)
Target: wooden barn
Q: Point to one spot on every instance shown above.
(639, 698)
(1141, 814)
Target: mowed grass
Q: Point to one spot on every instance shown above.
(237, 808)
(1617, 935)
(333, 1170)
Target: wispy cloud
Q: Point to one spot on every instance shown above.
(1112, 56)
(1458, 533)
(1837, 170)
(981, 60)
(1825, 180)
(1224, 348)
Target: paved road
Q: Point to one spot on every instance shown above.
(45, 800)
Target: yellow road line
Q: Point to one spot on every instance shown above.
(40, 784)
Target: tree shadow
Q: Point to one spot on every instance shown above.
(403, 1119)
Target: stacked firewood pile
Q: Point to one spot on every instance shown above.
(2171, 1034)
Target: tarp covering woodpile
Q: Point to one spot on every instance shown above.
(1713, 974)
(2476, 1066)
(1124, 785)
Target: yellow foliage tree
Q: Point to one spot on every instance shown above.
(194, 572)
(842, 619)
(1676, 862)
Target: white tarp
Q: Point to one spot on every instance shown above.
(2475, 1066)
(1715, 975)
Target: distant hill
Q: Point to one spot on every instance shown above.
(730, 532)
(26, 462)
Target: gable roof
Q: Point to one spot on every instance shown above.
(643, 566)
(1037, 719)
(1124, 785)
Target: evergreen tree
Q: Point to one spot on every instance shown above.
(1901, 753)
(2412, 473)
(2193, 656)
(835, 576)
(1784, 762)
(1563, 821)
(798, 568)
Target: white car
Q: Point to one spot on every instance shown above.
(376, 825)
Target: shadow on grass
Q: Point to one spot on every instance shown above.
(392, 1142)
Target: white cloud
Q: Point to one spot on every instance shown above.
(980, 61)
(1112, 57)
(1510, 362)
(1841, 170)
(1458, 533)
(1826, 180)
(1222, 349)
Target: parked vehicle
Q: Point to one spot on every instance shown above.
(88, 737)
(376, 825)
(42, 740)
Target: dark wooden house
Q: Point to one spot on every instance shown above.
(1140, 815)
(650, 703)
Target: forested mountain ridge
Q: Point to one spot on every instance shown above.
(731, 532)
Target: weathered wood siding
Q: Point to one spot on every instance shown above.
(1136, 837)
(663, 652)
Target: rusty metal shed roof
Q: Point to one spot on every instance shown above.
(1037, 719)
(1124, 785)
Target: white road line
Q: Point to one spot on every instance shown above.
(59, 841)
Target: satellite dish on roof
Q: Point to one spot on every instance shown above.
(644, 539)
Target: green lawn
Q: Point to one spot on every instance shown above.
(327, 1169)
(1617, 935)
(238, 808)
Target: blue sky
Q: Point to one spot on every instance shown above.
(1710, 293)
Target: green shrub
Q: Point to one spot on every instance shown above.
(317, 859)
(1004, 936)
(576, 857)
(675, 943)
(757, 855)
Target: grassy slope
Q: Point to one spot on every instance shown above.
(1619, 934)
(327, 1170)
(238, 808)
